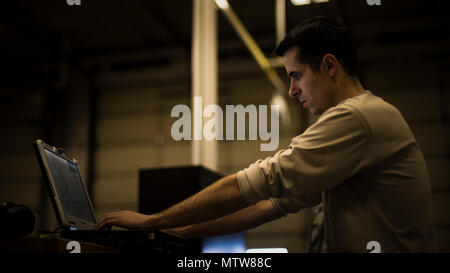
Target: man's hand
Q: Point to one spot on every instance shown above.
(125, 219)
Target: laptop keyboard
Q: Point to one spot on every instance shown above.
(130, 240)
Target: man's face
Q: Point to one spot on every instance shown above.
(313, 89)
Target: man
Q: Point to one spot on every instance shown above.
(360, 159)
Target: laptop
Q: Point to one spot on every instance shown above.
(75, 214)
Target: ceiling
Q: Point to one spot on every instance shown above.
(41, 31)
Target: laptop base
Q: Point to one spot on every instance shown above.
(130, 241)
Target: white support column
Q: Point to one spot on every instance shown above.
(204, 78)
(280, 20)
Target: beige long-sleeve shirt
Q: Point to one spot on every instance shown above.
(362, 157)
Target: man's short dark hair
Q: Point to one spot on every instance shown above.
(318, 36)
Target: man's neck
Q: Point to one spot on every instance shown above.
(351, 88)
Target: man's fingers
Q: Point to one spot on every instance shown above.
(117, 219)
(102, 224)
(107, 223)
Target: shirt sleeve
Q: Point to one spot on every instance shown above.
(325, 155)
(285, 206)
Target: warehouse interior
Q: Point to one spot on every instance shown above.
(100, 80)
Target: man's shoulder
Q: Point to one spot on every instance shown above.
(367, 100)
(382, 119)
(371, 112)
(370, 107)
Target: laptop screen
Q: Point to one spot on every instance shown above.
(69, 185)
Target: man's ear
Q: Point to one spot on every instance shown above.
(329, 63)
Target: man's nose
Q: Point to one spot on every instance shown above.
(294, 91)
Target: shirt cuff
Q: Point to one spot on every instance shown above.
(284, 206)
(249, 181)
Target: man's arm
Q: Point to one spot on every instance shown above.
(252, 216)
(247, 218)
(217, 200)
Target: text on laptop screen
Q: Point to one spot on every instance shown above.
(69, 185)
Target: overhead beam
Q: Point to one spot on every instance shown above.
(254, 49)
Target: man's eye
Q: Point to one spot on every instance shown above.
(296, 76)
